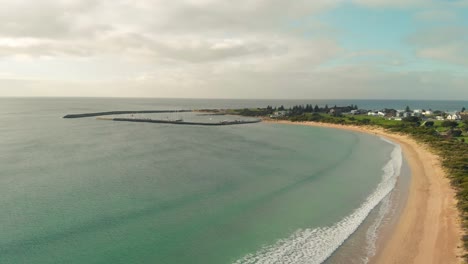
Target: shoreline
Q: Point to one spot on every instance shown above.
(428, 229)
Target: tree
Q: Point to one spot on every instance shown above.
(365, 121)
(326, 108)
(455, 132)
(463, 109)
(429, 124)
(316, 109)
(281, 108)
(465, 123)
(412, 119)
(407, 109)
(448, 123)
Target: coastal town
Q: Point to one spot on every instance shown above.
(389, 114)
(452, 124)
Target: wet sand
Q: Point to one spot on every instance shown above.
(428, 230)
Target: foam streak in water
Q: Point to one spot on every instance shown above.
(316, 245)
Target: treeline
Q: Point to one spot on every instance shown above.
(308, 108)
(294, 110)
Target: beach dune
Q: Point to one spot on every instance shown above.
(428, 229)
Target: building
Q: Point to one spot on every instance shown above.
(440, 118)
(455, 116)
(279, 114)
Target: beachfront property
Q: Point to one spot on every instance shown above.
(376, 113)
(277, 114)
(427, 113)
(392, 114)
(455, 116)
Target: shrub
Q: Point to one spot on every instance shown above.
(448, 123)
(429, 123)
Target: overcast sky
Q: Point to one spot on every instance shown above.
(388, 49)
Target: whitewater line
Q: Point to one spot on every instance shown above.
(314, 246)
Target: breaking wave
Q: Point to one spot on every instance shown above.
(316, 245)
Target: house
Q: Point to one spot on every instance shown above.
(440, 118)
(372, 113)
(335, 111)
(279, 114)
(354, 112)
(380, 113)
(427, 113)
(455, 116)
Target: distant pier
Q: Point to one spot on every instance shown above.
(100, 116)
(180, 122)
(124, 112)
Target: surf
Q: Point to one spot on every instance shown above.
(316, 245)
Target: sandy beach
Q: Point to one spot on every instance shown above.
(428, 229)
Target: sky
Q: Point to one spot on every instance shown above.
(315, 49)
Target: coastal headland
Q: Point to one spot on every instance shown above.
(428, 230)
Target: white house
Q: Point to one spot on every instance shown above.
(279, 114)
(428, 112)
(439, 118)
(454, 117)
(371, 113)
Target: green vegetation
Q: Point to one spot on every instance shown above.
(448, 139)
(451, 146)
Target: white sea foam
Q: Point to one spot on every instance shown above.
(373, 230)
(316, 245)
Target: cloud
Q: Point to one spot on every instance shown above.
(392, 3)
(436, 15)
(190, 31)
(414, 4)
(207, 48)
(453, 53)
(354, 82)
(444, 43)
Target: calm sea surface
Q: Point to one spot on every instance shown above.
(91, 191)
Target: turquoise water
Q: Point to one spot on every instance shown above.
(90, 191)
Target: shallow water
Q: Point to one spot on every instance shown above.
(91, 191)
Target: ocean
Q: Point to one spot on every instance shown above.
(93, 191)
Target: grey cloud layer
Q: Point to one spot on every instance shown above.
(199, 48)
